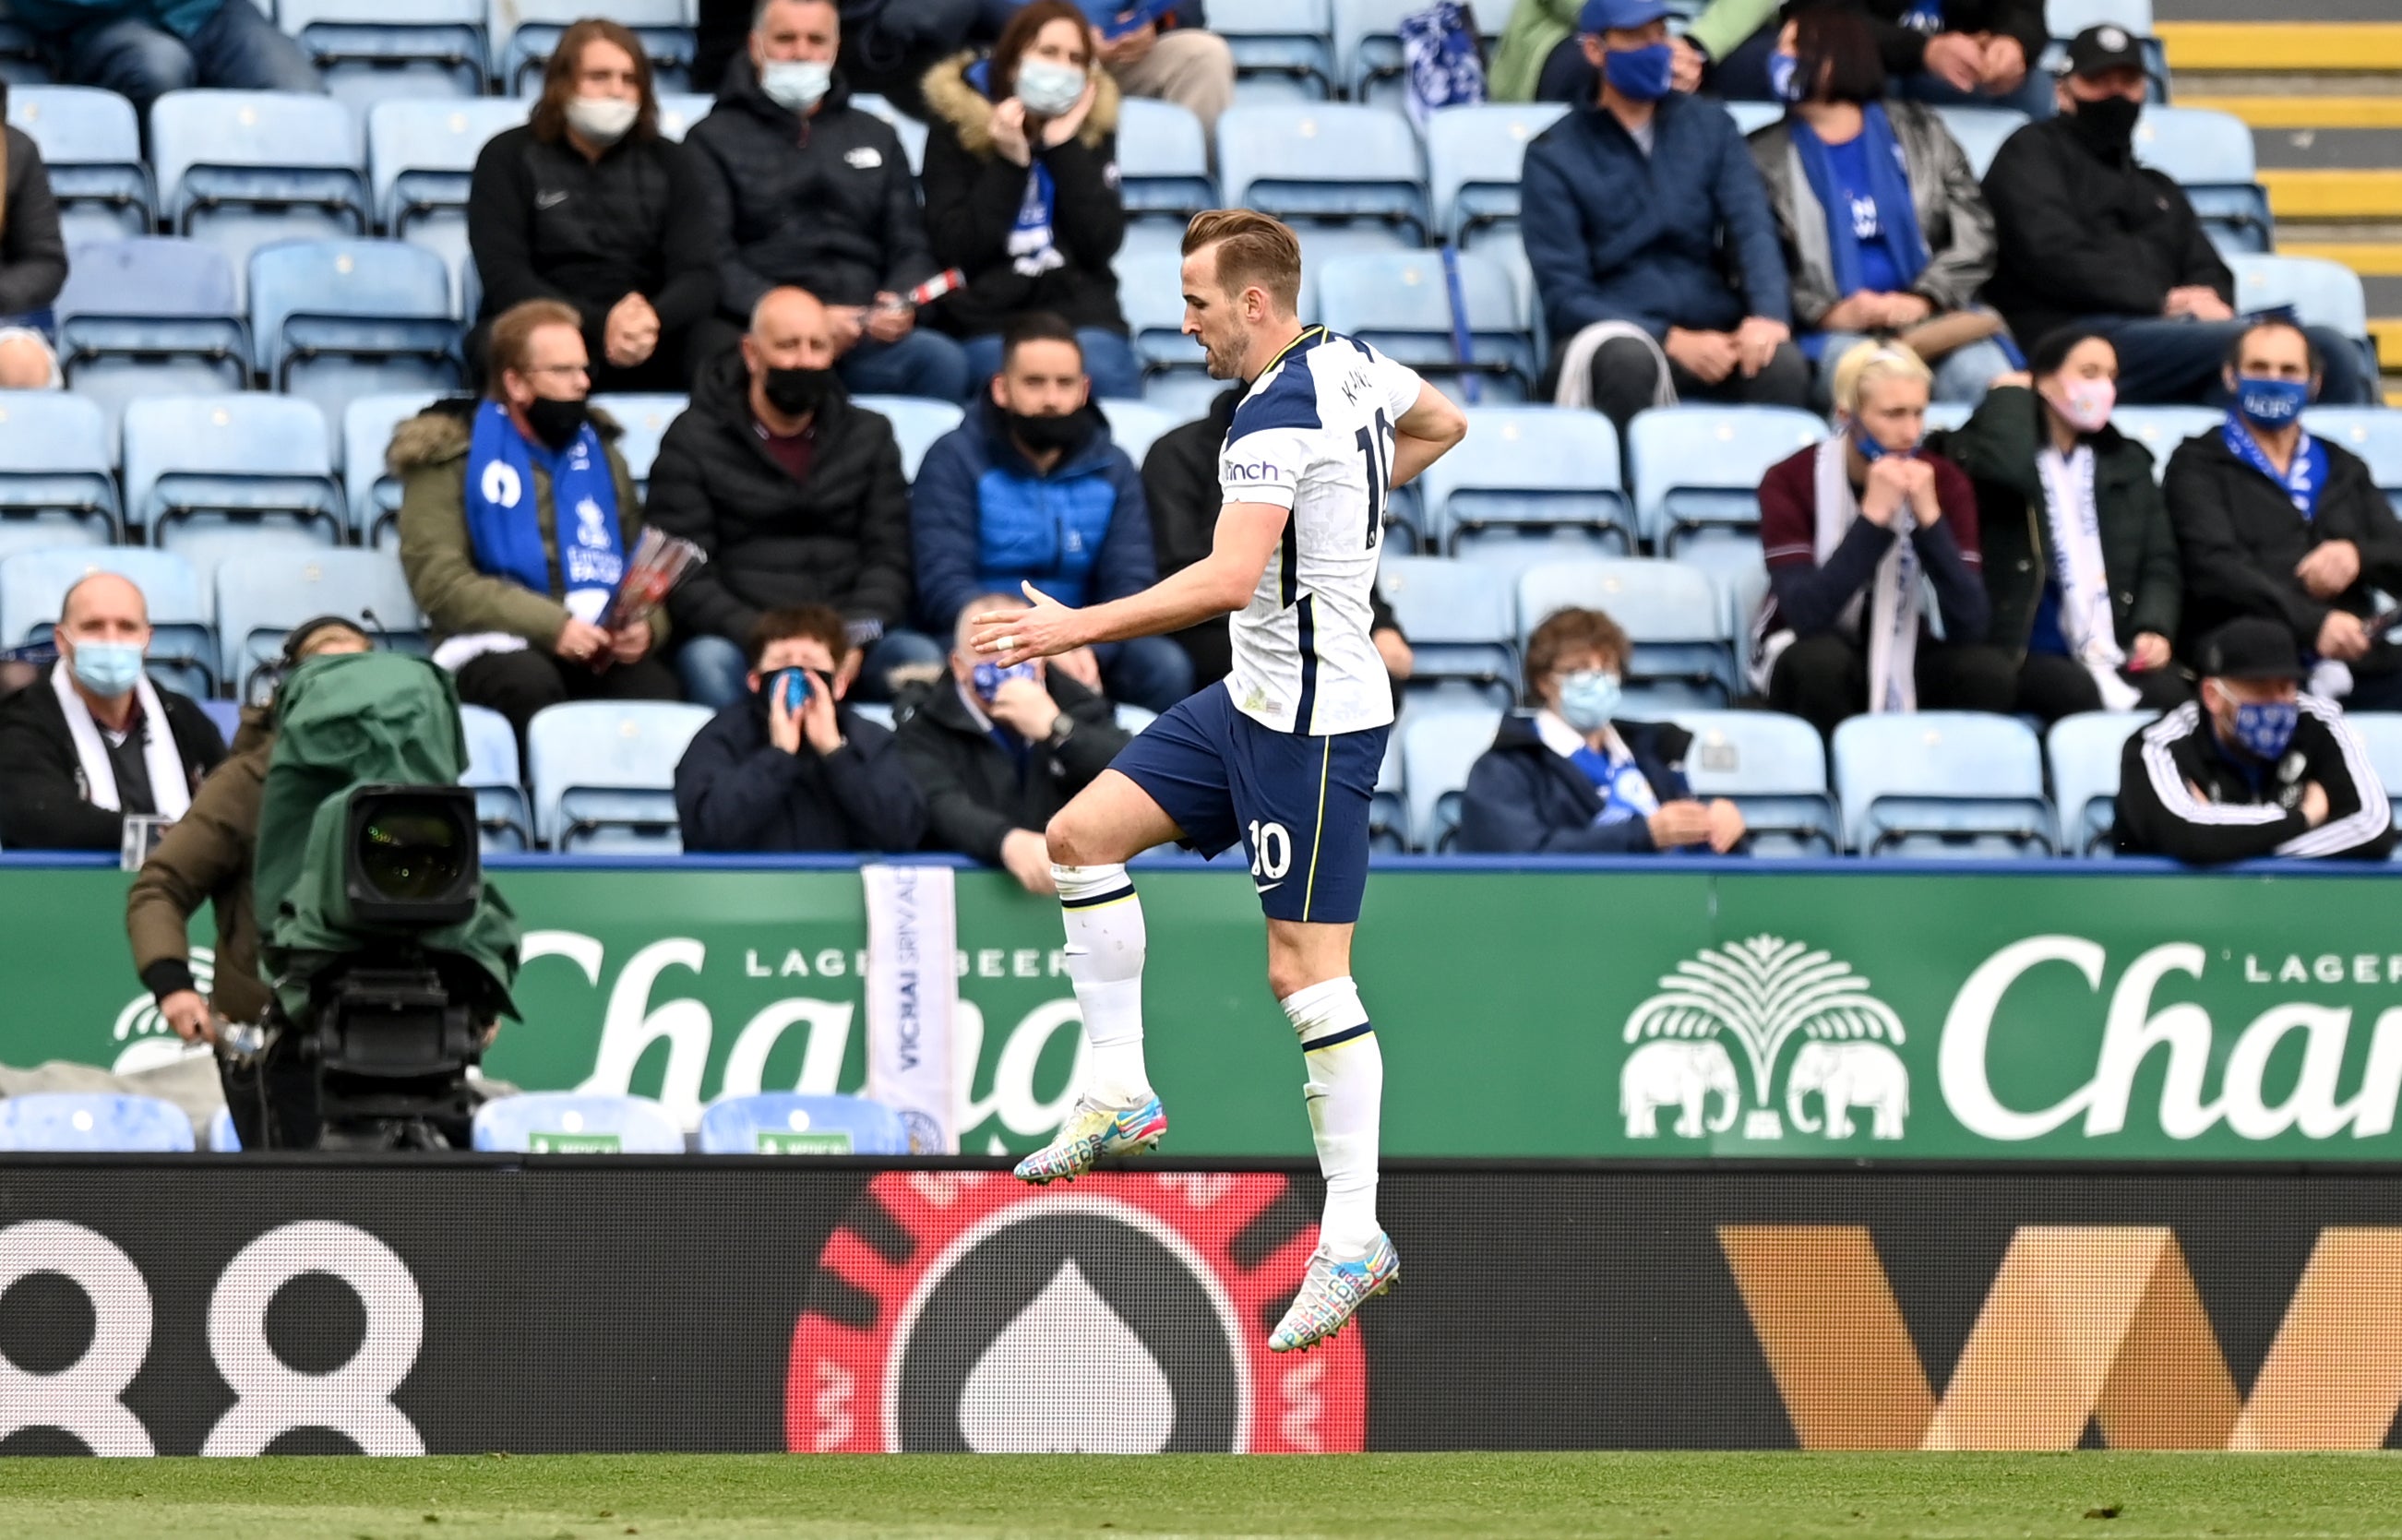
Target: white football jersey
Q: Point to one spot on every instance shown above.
(1315, 435)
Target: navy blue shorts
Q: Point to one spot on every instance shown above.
(1298, 805)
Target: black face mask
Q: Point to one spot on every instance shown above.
(2109, 125)
(556, 424)
(1042, 434)
(796, 393)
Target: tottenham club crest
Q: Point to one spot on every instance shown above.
(1752, 998)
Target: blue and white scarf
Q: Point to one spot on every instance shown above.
(506, 531)
(1888, 185)
(1033, 250)
(2303, 480)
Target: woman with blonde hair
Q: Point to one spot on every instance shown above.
(1850, 528)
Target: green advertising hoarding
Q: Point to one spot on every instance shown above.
(1671, 1012)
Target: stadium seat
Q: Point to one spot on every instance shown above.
(225, 714)
(59, 1121)
(572, 1122)
(151, 316)
(1163, 162)
(1774, 768)
(1752, 117)
(2210, 155)
(1981, 131)
(2065, 19)
(369, 50)
(2314, 290)
(643, 419)
(2380, 734)
(1325, 162)
(371, 490)
(56, 488)
(604, 774)
(1696, 467)
(207, 476)
(1529, 484)
(1942, 783)
(1133, 718)
(1135, 427)
(791, 1122)
(1402, 304)
(1945, 416)
(419, 156)
(1186, 395)
(915, 422)
(1672, 615)
(876, 711)
(91, 148)
(1438, 749)
(1151, 289)
(1458, 616)
(1735, 565)
(222, 1137)
(261, 598)
(183, 641)
(2372, 433)
(2161, 429)
(2083, 753)
(337, 320)
(679, 110)
(492, 774)
(1474, 156)
(664, 26)
(912, 133)
(1367, 48)
(1280, 43)
(241, 168)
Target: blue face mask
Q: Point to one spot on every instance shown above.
(990, 677)
(107, 669)
(1785, 78)
(2264, 730)
(1589, 698)
(2271, 403)
(1641, 74)
(1871, 451)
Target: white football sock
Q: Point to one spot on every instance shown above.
(1345, 1093)
(1105, 949)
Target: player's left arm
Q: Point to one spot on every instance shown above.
(1221, 582)
(1425, 433)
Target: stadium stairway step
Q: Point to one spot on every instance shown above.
(2253, 48)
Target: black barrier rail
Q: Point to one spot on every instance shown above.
(563, 1303)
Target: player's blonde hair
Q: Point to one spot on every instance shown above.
(1254, 251)
(1872, 363)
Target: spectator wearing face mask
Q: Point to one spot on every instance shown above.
(2255, 768)
(1569, 780)
(516, 515)
(1850, 528)
(1031, 489)
(2079, 558)
(1021, 186)
(588, 205)
(1539, 58)
(2276, 523)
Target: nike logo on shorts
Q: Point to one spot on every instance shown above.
(1265, 888)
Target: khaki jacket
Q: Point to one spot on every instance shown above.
(205, 859)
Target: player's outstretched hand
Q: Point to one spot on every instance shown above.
(1013, 636)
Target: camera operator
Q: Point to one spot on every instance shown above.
(206, 857)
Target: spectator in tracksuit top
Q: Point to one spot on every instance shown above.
(820, 197)
(1032, 491)
(1569, 780)
(590, 205)
(2254, 768)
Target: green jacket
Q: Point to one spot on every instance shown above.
(1538, 26)
(1997, 449)
(429, 453)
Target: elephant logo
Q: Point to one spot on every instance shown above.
(1756, 996)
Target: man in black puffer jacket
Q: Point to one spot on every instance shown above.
(820, 198)
(795, 496)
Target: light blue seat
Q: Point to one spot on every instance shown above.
(2380, 734)
(1738, 569)
(679, 110)
(1163, 162)
(2314, 290)
(492, 774)
(1695, 467)
(911, 132)
(645, 420)
(420, 157)
(1774, 768)
(1184, 395)
(1981, 131)
(1367, 48)
(2065, 19)
(1132, 718)
(917, 423)
(369, 50)
(1459, 617)
(222, 1137)
(1278, 42)
(261, 598)
(570, 1122)
(2083, 752)
(879, 713)
(241, 168)
(1400, 304)
(604, 774)
(225, 714)
(1439, 748)
(1529, 484)
(1151, 289)
(1672, 617)
(2161, 429)
(2372, 433)
(1135, 426)
(155, 315)
(2209, 154)
(61, 1122)
(790, 1123)
(1325, 162)
(337, 320)
(91, 148)
(206, 475)
(1944, 784)
(519, 56)
(56, 485)
(1474, 157)
(183, 641)
(372, 492)
(1943, 417)
(1752, 117)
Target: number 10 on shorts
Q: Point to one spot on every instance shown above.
(1271, 851)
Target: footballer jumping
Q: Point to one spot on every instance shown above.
(1282, 759)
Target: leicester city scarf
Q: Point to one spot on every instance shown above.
(506, 533)
(2303, 480)
(1888, 184)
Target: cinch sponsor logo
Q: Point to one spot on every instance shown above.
(1255, 471)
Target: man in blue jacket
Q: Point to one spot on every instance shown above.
(1627, 205)
(144, 48)
(1030, 489)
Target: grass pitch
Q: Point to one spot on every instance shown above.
(1638, 1496)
